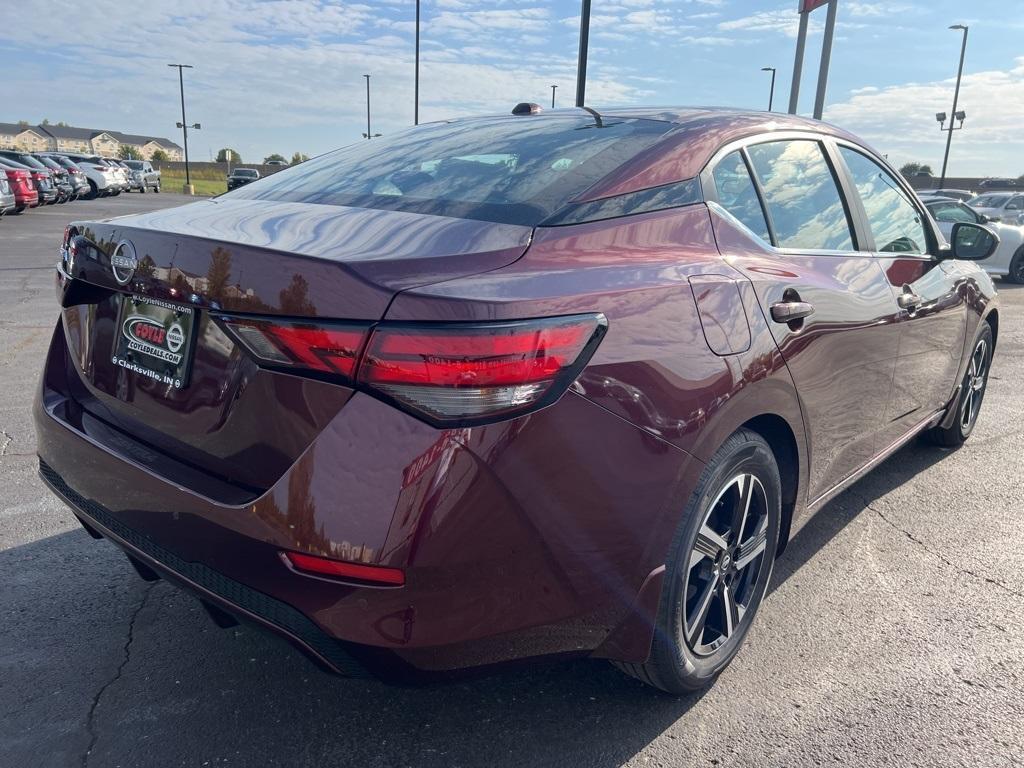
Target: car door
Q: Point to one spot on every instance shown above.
(781, 220)
(1014, 210)
(932, 312)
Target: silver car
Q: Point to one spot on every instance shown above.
(1007, 207)
(7, 202)
(1008, 259)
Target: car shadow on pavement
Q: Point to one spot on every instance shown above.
(104, 669)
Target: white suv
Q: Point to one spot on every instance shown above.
(103, 180)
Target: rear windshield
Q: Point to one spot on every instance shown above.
(135, 165)
(244, 172)
(511, 170)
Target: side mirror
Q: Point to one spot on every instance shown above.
(972, 242)
(984, 219)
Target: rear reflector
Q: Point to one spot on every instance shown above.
(448, 374)
(338, 569)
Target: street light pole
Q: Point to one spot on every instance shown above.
(184, 124)
(368, 134)
(553, 87)
(771, 93)
(956, 97)
(416, 107)
(581, 67)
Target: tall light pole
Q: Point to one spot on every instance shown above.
(368, 134)
(416, 97)
(771, 92)
(553, 88)
(183, 124)
(956, 97)
(581, 67)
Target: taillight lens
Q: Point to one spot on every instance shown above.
(330, 349)
(344, 570)
(465, 373)
(456, 374)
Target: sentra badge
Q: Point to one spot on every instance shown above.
(124, 262)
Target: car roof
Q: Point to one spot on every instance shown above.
(694, 136)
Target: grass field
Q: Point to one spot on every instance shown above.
(173, 182)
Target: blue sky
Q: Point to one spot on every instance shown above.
(285, 76)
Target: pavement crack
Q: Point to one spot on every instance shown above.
(938, 554)
(6, 440)
(90, 726)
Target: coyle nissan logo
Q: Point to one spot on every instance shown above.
(124, 262)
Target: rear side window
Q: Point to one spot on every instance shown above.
(512, 170)
(895, 223)
(1016, 204)
(801, 194)
(736, 193)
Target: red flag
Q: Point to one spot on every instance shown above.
(809, 5)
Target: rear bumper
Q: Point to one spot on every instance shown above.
(527, 538)
(208, 584)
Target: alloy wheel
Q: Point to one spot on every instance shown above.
(977, 373)
(725, 563)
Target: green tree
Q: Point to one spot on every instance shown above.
(219, 273)
(46, 121)
(128, 152)
(274, 156)
(62, 124)
(298, 157)
(913, 169)
(228, 155)
(24, 124)
(159, 156)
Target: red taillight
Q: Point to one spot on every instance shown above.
(448, 374)
(331, 349)
(339, 569)
(461, 374)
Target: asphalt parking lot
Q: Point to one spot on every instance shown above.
(893, 634)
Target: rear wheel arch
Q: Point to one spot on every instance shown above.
(992, 318)
(777, 432)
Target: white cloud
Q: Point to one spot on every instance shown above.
(900, 120)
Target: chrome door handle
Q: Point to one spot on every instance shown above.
(788, 311)
(909, 300)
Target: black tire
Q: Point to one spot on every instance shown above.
(696, 635)
(972, 394)
(142, 189)
(1016, 274)
(94, 191)
(156, 189)
(19, 210)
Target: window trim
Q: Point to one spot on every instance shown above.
(851, 200)
(711, 190)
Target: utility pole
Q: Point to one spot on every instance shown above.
(581, 68)
(826, 58)
(771, 92)
(553, 87)
(368, 134)
(183, 124)
(956, 97)
(416, 97)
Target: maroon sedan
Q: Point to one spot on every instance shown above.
(503, 387)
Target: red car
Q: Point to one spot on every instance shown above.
(548, 383)
(20, 181)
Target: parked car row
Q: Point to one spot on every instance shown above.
(31, 179)
(1008, 259)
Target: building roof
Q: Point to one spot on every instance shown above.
(86, 134)
(15, 128)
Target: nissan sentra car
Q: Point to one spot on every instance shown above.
(549, 383)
